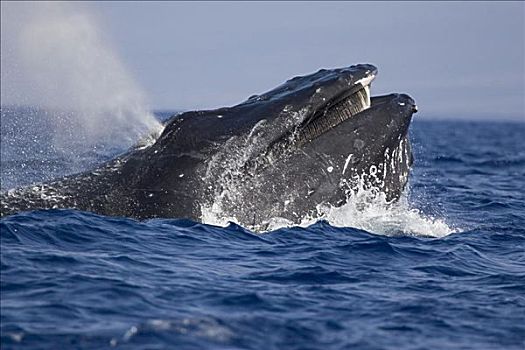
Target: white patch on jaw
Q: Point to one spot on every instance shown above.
(368, 100)
(330, 169)
(347, 161)
(366, 85)
(219, 116)
(181, 175)
(366, 80)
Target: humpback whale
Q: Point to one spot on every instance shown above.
(312, 140)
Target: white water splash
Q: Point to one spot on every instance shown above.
(59, 59)
(214, 215)
(371, 212)
(366, 210)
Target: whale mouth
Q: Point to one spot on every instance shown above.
(339, 109)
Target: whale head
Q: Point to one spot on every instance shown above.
(312, 140)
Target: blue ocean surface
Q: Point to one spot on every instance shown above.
(443, 270)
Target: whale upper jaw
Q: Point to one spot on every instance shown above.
(334, 97)
(353, 99)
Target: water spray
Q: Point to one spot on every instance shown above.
(66, 65)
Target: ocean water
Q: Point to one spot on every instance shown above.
(442, 269)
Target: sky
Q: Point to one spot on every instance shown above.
(456, 59)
